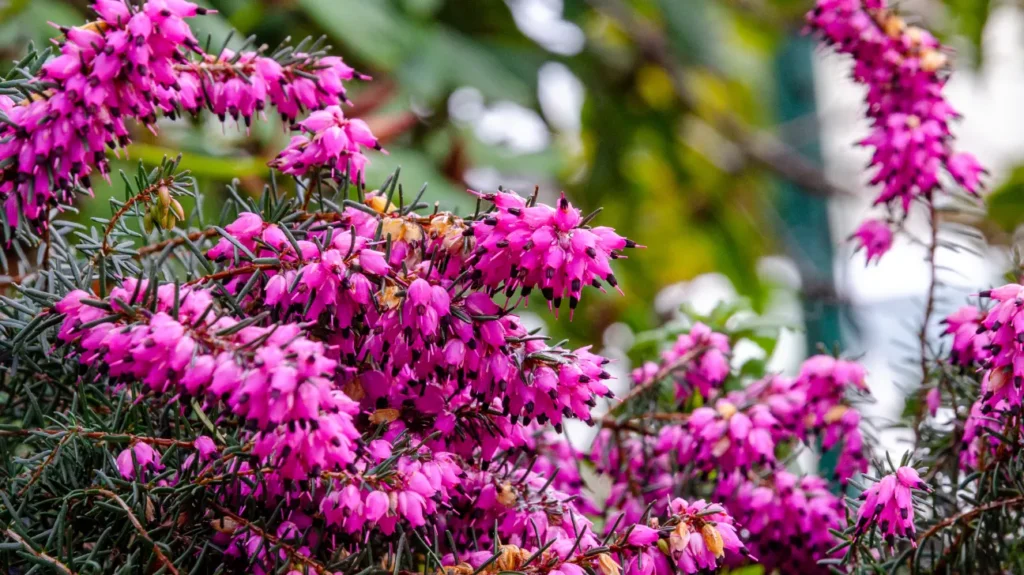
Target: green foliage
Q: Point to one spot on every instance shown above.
(968, 19)
(1006, 203)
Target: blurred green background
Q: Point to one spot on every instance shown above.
(657, 110)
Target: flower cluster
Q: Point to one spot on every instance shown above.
(790, 519)
(889, 505)
(701, 354)
(334, 142)
(278, 380)
(1004, 368)
(421, 342)
(981, 436)
(241, 85)
(698, 545)
(133, 64)
(816, 403)
(970, 341)
(733, 443)
(690, 538)
(526, 246)
(725, 438)
(903, 68)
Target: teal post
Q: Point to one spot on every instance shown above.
(807, 234)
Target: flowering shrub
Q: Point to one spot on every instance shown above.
(335, 380)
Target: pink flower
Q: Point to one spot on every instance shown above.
(641, 535)
(903, 68)
(970, 341)
(1002, 327)
(527, 246)
(874, 237)
(334, 143)
(284, 389)
(145, 457)
(135, 64)
(698, 545)
(888, 505)
(206, 447)
(933, 399)
(789, 518)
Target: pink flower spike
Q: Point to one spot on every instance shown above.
(888, 505)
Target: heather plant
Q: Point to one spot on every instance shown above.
(332, 377)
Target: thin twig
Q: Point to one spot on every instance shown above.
(38, 471)
(661, 374)
(142, 530)
(636, 426)
(232, 272)
(929, 305)
(39, 554)
(274, 541)
(99, 435)
(143, 196)
(969, 514)
(159, 246)
(929, 308)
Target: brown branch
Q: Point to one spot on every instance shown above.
(929, 308)
(159, 246)
(39, 554)
(661, 374)
(274, 541)
(99, 435)
(232, 272)
(79, 432)
(970, 514)
(636, 426)
(138, 527)
(38, 471)
(755, 145)
(144, 196)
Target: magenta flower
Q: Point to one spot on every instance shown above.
(709, 369)
(874, 237)
(889, 506)
(641, 535)
(104, 74)
(334, 143)
(789, 519)
(284, 389)
(725, 438)
(970, 340)
(527, 246)
(133, 64)
(206, 447)
(903, 69)
(1003, 325)
(980, 444)
(141, 454)
(242, 85)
